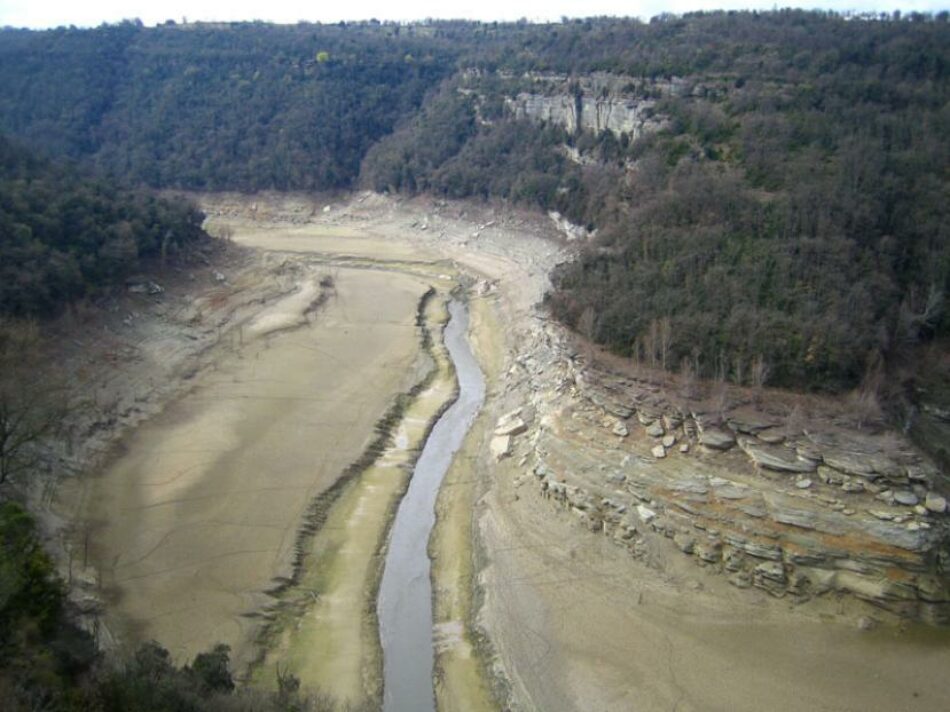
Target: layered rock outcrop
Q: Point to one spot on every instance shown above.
(793, 505)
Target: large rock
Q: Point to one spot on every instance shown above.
(716, 438)
(935, 503)
(867, 465)
(776, 457)
(645, 514)
(500, 446)
(905, 497)
(511, 424)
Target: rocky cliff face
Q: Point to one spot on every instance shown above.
(596, 102)
(618, 115)
(797, 506)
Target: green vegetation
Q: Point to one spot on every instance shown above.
(67, 236)
(216, 107)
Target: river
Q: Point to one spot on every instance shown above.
(405, 596)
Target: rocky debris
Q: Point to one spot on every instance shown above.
(669, 441)
(620, 429)
(655, 429)
(658, 451)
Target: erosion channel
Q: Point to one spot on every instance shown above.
(405, 598)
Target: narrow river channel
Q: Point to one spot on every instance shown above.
(405, 595)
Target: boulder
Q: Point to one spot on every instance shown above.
(500, 446)
(511, 424)
(645, 514)
(655, 430)
(684, 542)
(935, 503)
(620, 430)
(709, 550)
(905, 497)
(776, 457)
(669, 441)
(716, 439)
(659, 452)
(771, 437)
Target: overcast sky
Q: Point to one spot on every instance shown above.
(85, 13)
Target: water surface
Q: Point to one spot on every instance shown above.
(405, 596)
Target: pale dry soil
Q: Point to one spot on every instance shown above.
(192, 522)
(202, 509)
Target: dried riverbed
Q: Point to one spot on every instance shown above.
(532, 609)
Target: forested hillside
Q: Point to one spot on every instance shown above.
(65, 235)
(246, 106)
(768, 190)
(782, 216)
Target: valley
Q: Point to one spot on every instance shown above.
(565, 551)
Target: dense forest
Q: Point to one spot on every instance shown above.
(207, 107)
(788, 222)
(66, 235)
(783, 218)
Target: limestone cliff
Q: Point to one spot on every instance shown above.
(595, 102)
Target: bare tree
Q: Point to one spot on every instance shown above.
(912, 321)
(738, 369)
(31, 408)
(665, 340)
(652, 342)
(586, 325)
(760, 371)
